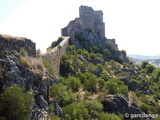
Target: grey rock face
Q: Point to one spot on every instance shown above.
(125, 80)
(35, 80)
(15, 43)
(120, 104)
(133, 85)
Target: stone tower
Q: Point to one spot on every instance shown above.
(88, 19)
(86, 15)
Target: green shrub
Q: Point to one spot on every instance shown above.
(92, 55)
(108, 116)
(101, 83)
(55, 43)
(72, 82)
(23, 52)
(137, 93)
(143, 64)
(144, 99)
(48, 66)
(144, 107)
(123, 52)
(100, 67)
(55, 90)
(104, 76)
(94, 108)
(122, 74)
(106, 53)
(90, 81)
(66, 96)
(156, 74)
(111, 87)
(123, 90)
(94, 49)
(15, 104)
(111, 47)
(149, 68)
(75, 111)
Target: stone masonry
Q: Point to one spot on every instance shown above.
(55, 54)
(88, 19)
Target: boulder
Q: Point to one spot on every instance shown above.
(119, 104)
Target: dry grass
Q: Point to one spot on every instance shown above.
(133, 98)
(13, 37)
(32, 63)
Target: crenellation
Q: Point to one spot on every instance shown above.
(88, 18)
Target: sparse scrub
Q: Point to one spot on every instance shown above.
(23, 52)
(24, 62)
(108, 116)
(29, 62)
(123, 52)
(48, 66)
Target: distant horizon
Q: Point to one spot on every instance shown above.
(133, 24)
(145, 55)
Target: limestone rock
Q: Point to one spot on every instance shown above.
(32, 79)
(119, 104)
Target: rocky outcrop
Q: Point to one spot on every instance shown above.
(33, 79)
(16, 43)
(133, 85)
(119, 104)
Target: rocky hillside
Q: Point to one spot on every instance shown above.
(96, 80)
(30, 74)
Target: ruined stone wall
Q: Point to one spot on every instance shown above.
(54, 56)
(16, 43)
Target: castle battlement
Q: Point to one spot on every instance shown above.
(88, 18)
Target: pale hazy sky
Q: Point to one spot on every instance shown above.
(135, 24)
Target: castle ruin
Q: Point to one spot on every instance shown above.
(88, 19)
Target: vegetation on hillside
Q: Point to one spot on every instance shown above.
(15, 104)
(87, 76)
(55, 43)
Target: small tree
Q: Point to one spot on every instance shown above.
(123, 52)
(75, 111)
(143, 64)
(149, 68)
(94, 108)
(15, 104)
(108, 116)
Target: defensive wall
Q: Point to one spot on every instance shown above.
(54, 56)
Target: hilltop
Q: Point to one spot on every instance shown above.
(83, 75)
